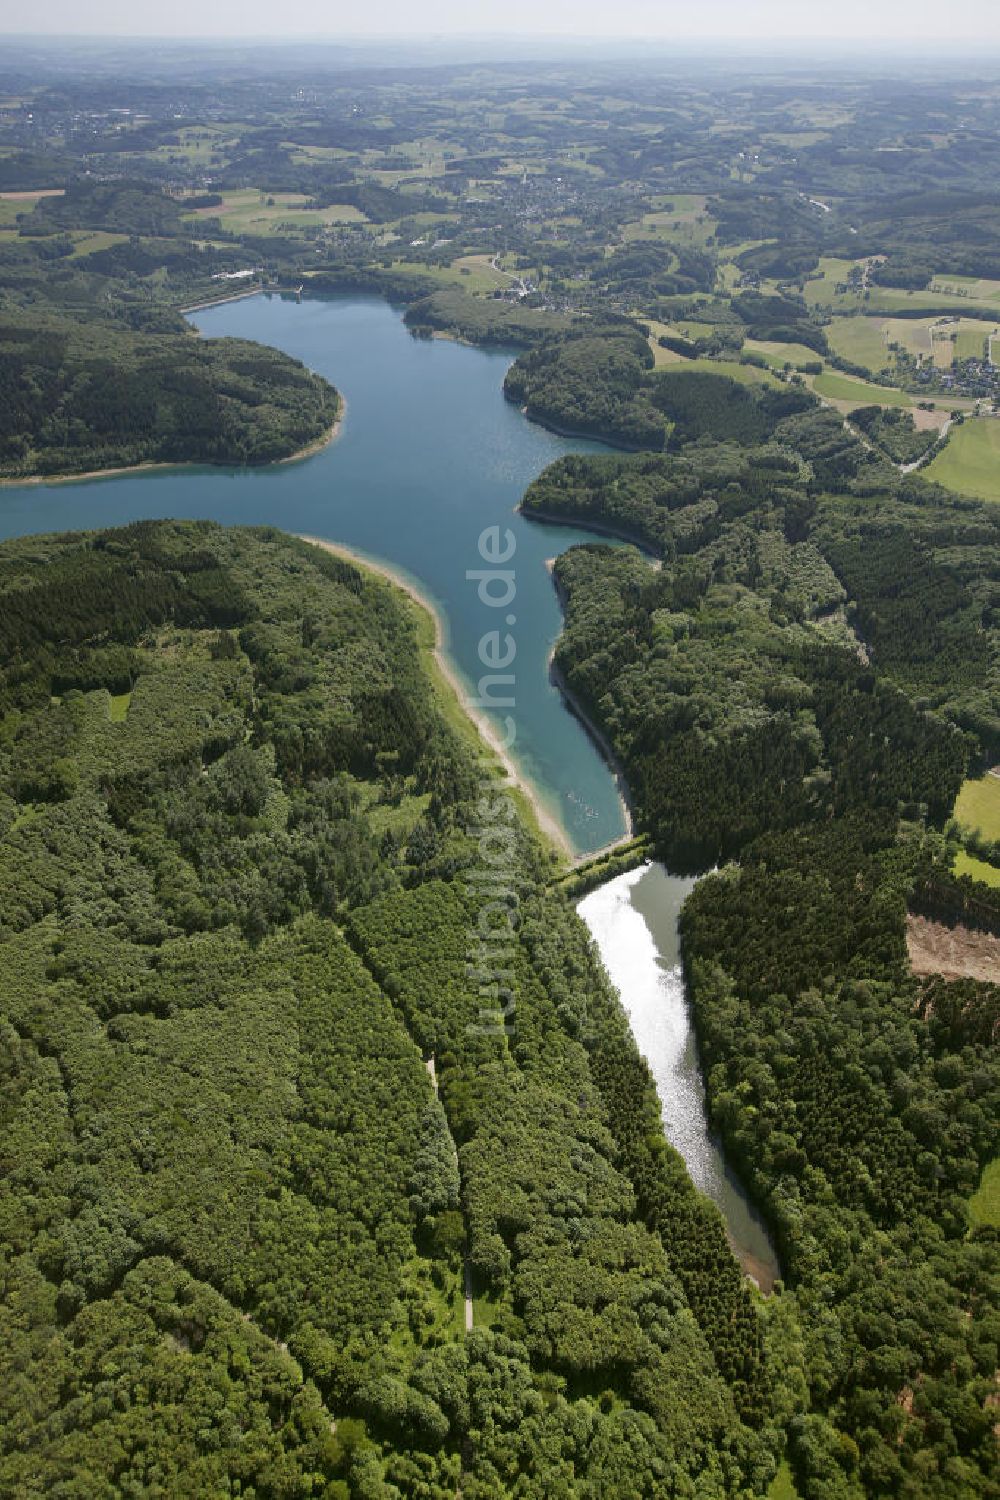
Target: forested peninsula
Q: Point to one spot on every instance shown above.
(79, 396)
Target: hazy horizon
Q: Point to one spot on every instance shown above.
(782, 23)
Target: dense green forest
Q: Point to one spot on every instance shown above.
(482, 321)
(803, 679)
(590, 382)
(75, 397)
(601, 383)
(235, 921)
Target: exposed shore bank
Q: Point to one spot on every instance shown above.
(547, 824)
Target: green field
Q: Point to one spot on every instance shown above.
(86, 241)
(822, 292)
(478, 274)
(962, 338)
(248, 210)
(745, 374)
(473, 273)
(978, 806)
(976, 869)
(661, 355)
(822, 289)
(859, 340)
(984, 1205)
(14, 204)
(780, 355)
(845, 388)
(681, 222)
(970, 460)
(970, 341)
(865, 340)
(200, 145)
(977, 288)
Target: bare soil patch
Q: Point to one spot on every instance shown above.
(30, 193)
(954, 952)
(927, 421)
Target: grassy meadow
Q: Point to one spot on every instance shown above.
(970, 461)
(844, 388)
(978, 806)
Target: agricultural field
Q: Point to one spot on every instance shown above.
(473, 273)
(661, 355)
(846, 392)
(690, 328)
(478, 274)
(821, 291)
(970, 461)
(861, 340)
(867, 340)
(248, 211)
(780, 355)
(307, 155)
(14, 204)
(86, 241)
(681, 218)
(959, 338)
(821, 288)
(745, 374)
(200, 145)
(971, 337)
(976, 288)
(978, 806)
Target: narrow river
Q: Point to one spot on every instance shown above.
(633, 921)
(431, 454)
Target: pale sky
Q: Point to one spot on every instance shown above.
(973, 23)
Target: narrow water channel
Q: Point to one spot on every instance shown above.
(633, 920)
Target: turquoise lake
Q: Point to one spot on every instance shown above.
(429, 455)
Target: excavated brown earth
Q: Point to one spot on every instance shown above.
(955, 952)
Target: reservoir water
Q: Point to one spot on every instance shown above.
(430, 454)
(633, 920)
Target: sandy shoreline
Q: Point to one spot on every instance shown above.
(546, 822)
(323, 441)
